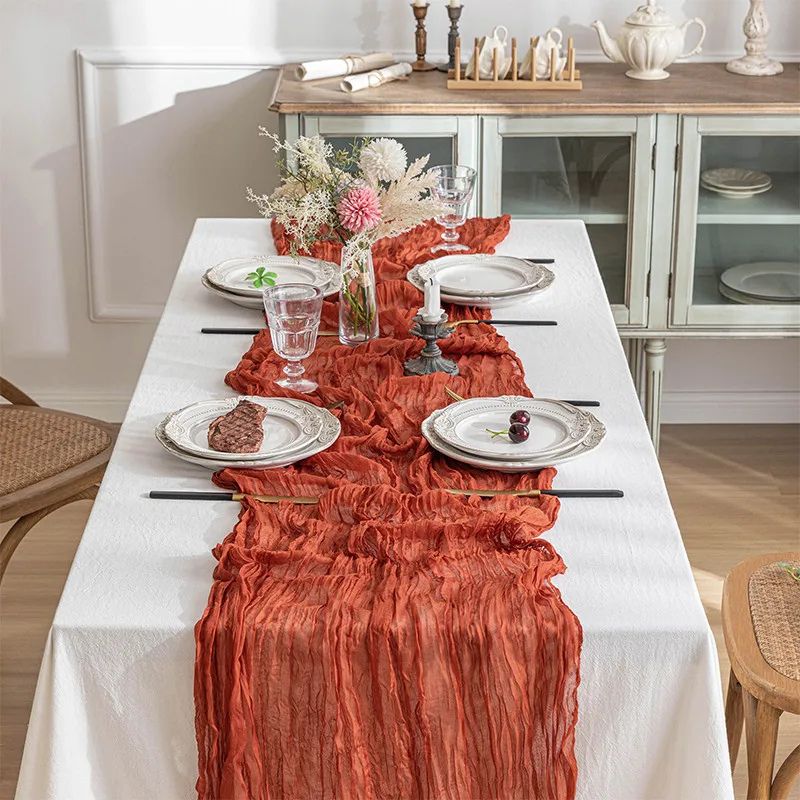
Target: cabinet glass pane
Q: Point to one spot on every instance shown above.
(441, 148)
(574, 177)
(762, 227)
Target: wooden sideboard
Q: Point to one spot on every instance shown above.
(625, 156)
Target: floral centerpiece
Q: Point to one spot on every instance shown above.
(354, 196)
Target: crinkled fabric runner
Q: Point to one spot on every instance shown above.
(393, 641)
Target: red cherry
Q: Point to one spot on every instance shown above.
(518, 432)
(520, 416)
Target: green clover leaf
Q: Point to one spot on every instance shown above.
(261, 278)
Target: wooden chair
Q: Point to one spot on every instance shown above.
(761, 623)
(47, 459)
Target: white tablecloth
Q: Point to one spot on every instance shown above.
(113, 714)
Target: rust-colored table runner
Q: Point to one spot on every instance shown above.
(393, 641)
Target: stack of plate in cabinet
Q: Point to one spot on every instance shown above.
(762, 283)
(735, 182)
(230, 280)
(293, 430)
(486, 281)
(471, 431)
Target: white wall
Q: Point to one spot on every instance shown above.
(172, 92)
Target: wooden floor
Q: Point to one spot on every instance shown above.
(735, 489)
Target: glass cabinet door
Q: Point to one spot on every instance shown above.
(597, 169)
(737, 255)
(448, 140)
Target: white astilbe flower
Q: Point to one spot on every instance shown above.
(303, 217)
(313, 153)
(383, 160)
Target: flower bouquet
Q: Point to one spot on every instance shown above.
(354, 196)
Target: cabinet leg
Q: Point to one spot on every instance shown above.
(734, 717)
(634, 349)
(654, 350)
(761, 730)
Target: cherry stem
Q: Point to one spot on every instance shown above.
(496, 433)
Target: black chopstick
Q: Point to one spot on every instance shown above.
(540, 260)
(585, 403)
(157, 495)
(248, 331)
(563, 493)
(254, 331)
(584, 492)
(520, 321)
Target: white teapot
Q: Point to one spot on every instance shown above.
(648, 42)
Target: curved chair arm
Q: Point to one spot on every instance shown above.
(14, 395)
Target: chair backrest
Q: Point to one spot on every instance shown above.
(15, 395)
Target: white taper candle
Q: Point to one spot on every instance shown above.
(432, 310)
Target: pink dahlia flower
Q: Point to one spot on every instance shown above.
(359, 209)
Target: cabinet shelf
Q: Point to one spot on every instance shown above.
(779, 206)
(607, 207)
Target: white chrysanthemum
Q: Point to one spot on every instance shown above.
(383, 160)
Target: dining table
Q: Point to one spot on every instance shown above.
(113, 714)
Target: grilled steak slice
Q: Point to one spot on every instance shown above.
(238, 431)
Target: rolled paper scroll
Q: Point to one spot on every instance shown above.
(369, 80)
(347, 65)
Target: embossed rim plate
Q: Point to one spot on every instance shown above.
(593, 438)
(288, 426)
(231, 275)
(239, 299)
(777, 281)
(328, 435)
(520, 296)
(735, 179)
(555, 427)
(481, 275)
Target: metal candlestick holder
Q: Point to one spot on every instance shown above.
(421, 39)
(430, 360)
(454, 12)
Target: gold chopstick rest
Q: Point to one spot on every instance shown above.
(276, 498)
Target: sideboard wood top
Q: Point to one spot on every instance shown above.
(694, 88)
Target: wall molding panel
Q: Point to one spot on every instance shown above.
(103, 305)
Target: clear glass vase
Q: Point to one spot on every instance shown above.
(358, 303)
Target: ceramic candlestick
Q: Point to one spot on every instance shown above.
(421, 39)
(756, 63)
(454, 12)
(430, 360)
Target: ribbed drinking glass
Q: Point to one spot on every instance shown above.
(293, 311)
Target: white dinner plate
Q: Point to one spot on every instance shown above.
(736, 179)
(328, 435)
(288, 425)
(746, 299)
(479, 275)
(593, 438)
(555, 427)
(735, 195)
(231, 275)
(490, 301)
(239, 299)
(777, 281)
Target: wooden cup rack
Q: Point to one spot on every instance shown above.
(567, 79)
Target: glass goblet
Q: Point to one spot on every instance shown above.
(293, 311)
(454, 187)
